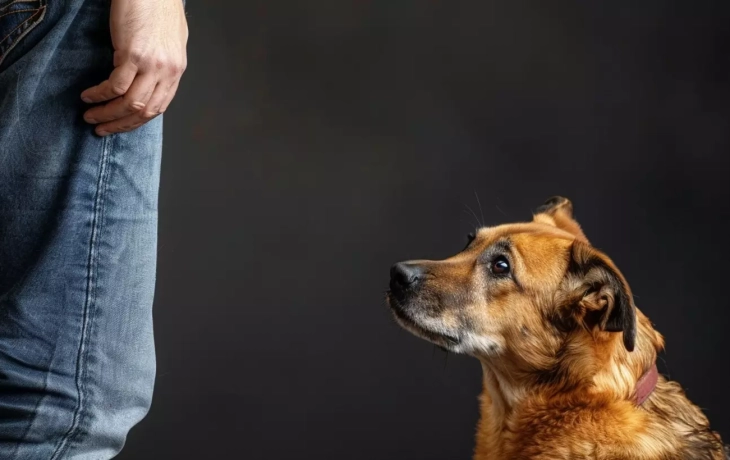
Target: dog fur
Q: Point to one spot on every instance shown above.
(561, 344)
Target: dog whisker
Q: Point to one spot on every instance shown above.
(473, 214)
(479, 203)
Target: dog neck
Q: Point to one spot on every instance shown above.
(626, 376)
(646, 385)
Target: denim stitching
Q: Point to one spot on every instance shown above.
(19, 25)
(27, 28)
(90, 301)
(14, 2)
(93, 303)
(17, 11)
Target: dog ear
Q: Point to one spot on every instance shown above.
(558, 212)
(597, 295)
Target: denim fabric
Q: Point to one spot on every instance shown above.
(78, 229)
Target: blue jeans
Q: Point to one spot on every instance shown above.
(78, 235)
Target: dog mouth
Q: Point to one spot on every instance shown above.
(405, 320)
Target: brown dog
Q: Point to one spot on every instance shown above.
(568, 360)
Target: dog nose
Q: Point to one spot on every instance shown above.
(404, 274)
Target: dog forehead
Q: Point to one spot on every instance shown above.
(541, 249)
(536, 232)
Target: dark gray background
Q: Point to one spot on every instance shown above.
(314, 143)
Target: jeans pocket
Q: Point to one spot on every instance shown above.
(17, 19)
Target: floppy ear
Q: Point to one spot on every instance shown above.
(597, 295)
(558, 212)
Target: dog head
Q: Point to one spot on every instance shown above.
(519, 295)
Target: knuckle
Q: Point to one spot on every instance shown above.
(118, 90)
(132, 104)
(158, 62)
(136, 55)
(178, 67)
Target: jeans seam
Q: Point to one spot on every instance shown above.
(16, 12)
(27, 25)
(89, 301)
(19, 25)
(16, 2)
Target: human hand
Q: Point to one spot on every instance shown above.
(149, 39)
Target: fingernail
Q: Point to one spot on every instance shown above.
(137, 105)
(86, 99)
(102, 133)
(90, 120)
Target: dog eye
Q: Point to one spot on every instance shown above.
(500, 266)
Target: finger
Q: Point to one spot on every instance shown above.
(117, 85)
(170, 95)
(141, 117)
(158, 98)
(134, 100)
(125, 124)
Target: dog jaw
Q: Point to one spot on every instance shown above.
(479, 345)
